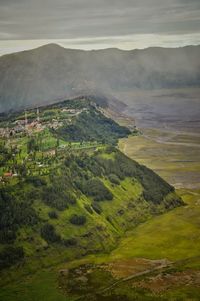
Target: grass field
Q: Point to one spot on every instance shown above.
(174, 235)
(173, 155)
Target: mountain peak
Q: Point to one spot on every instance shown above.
(51, 47)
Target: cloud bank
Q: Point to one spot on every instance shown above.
(101, 23)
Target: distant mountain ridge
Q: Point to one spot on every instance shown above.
(51, 73)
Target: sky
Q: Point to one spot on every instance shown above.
(95, 24)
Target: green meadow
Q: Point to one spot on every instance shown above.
(174, 235)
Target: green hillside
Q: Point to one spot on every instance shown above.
(84, 204)
(65, 195)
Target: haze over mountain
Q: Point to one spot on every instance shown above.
(51, 73)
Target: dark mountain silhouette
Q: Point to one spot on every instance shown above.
(51, 73)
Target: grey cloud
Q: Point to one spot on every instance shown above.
(49, 19)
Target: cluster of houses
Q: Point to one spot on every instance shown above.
(24, 127)
(74, 112)
(55, 124)
(19, 127)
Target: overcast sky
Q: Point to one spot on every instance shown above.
(92, 24)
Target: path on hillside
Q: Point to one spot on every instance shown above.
(130, 277)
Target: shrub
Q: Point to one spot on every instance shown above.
(36, 181)
(110, 220)
(7, 235)
(96, 188)
(53, 214)
(97, 208)
(70, 242)
(71, 200)
(114, 179)
(88, 208)
(10, 255)
(77, 220)
(110, 149)
(49, 234)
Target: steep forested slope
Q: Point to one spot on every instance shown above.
(70, 191)
(82, 206)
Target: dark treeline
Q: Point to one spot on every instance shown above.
(84, 170)
(93, 126)
(15, 211)
(155, 188)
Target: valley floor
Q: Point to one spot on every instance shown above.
(174, 155)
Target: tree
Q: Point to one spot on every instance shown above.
(96, 207)
(49, 234)
(10, 255)
(53, 214)
(32, 145)
(77, 220)
(57, 143)
(96, 188)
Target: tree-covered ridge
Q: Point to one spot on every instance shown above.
(92, 125)
(155, 188)
(65, 188)
(86, 190)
